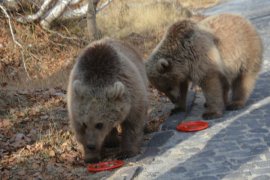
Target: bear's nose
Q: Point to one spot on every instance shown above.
(91, 146)
(91, 160)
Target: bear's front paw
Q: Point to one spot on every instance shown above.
(91, 160)
(126, 154)
(211, 115)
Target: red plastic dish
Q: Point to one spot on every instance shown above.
(104, 166)
(191, 126)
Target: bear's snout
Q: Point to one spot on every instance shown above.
(91, 156)
(91, 160)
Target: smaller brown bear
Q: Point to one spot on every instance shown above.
(108, 88)
(218, 53)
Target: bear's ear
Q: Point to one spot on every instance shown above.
(163, 65)
(116, 91)
(77, 87)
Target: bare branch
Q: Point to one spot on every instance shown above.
(73, 2)
(104, 5)
(64, 36)
(81, 12)
(42, 11)
(51, 10)
(10, 26)
(14, 39)
(75, 13)
(54, 13)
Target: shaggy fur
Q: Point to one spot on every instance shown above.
(219, 53)
(108, 88)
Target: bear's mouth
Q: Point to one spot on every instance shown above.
(92, 160)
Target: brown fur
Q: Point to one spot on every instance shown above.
(219, 53)
(108, 88)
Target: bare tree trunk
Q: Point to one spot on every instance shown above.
(93, 30)
(50, 10)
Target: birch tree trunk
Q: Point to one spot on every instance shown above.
(93, 30)
(51, 10)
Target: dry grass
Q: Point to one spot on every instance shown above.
(45, 55)
(35, 138)
(122, 19)
(139, 22)
(144, 17)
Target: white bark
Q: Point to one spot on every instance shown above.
(42, 11)
(74, 14)
(51, 10)
(54, 13)
(73, 2)
(81, 12)
(102, 6)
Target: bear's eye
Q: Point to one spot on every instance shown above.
(169, 88)
(84, 125)
(99, 126)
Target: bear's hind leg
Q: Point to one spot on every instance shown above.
(213, 92)
(241, 89)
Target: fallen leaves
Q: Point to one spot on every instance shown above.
(20, 140)
(5, 174)
(36, 140)
(4, 123)
(51, 153)
(22, 173)
(31, 133)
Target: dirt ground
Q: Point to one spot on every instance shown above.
(35, 138)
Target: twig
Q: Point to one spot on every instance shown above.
(75, 13)
(102, 6)
(10, 27)
(63, 36)
(75, 2)
(14, 39)
(55, 12)
(43, 9)
(81, 11)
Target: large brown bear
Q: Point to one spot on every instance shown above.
(107, 88)
(219, 53)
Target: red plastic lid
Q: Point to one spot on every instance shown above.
(192, 126)
(104, 166)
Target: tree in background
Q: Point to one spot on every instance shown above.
(48, 11)
(93, 30)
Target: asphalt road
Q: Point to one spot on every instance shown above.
(236, 146)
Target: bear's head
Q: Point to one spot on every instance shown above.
(169, 63)
(96, 112)
(165, 77)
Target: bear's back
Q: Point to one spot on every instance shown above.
(238, 42)
(98, 65)
(130, 57)
(107, 61)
